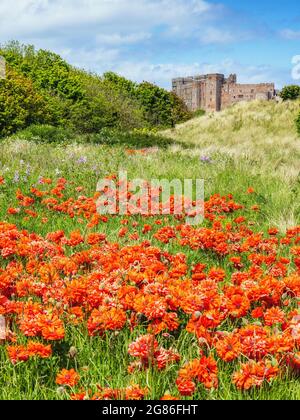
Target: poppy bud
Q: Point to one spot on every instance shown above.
(73, 352)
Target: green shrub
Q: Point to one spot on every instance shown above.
(199, 113)
(161, 108)
(47, 134)
(291, 92)
(138, 139)
(20, 104)
(298, 123)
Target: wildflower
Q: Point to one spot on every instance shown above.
(204, 370)
(39, 350)
(82, 160)
(169, 397)
(274, 316)
(254, 374)
(186, 387)
(144, 347)
(17, 354)
(229, 348)
(106, 319)
(52, 328)
(134, 392)
(205, 159)
(67, 377)
(16, 177)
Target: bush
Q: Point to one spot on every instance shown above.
(199, 113)
(104, 106)
(138, 139)
(291, 93)
(298, 123)
(161, 108)
(20, 104)
(47, 134)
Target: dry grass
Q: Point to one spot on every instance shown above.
(260, 132)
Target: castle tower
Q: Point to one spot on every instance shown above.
(213, 91)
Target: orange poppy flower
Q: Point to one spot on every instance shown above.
(67, 377)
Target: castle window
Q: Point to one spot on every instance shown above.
(241, 96)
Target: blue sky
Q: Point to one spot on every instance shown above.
(157, 40)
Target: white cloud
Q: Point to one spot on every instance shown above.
(119, 39)
(290, 34)
(29, 17)
(126, 36)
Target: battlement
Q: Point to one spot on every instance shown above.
(214, 92)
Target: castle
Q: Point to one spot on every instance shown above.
(214, 92)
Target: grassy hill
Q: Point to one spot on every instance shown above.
(260, 132)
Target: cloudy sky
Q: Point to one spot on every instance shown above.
(157, 40)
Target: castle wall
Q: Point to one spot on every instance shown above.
(234, 92)
(213, 92)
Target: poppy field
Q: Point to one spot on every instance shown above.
(135, 307)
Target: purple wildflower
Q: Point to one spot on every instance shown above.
(16, 177)
(82, 159)
(205, 159)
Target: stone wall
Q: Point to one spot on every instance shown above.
(212, 92)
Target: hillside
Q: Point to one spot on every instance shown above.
(262, 133)
(42, 88)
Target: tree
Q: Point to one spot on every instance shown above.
(291, 93)
(20, 104)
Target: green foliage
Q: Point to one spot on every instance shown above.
(47, 70)
(298, 123)
(20, 104)
(46, 134)
(120, 83)
(138, 139)
(199, 113)
(46, 89)
(161, 108)
(104, 106)
(291, 93)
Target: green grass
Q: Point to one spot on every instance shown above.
(249, 145)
